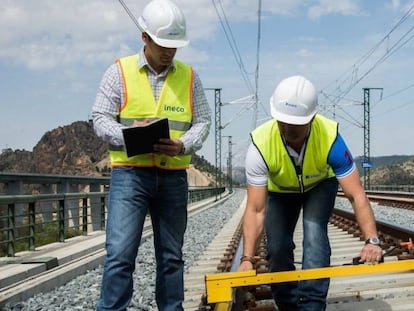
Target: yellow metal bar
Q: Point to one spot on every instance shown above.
(219, 286)
(222, 306)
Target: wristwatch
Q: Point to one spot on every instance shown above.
(373, 240)
(252, 259)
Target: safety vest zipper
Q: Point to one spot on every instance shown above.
(301, 186)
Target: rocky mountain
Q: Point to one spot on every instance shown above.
(66, 150)
(75, 150)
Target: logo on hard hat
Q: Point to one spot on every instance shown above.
(290, 105)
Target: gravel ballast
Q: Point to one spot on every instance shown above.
(393, 215)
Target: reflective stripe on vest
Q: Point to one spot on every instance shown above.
(282, 173)
(175, 103)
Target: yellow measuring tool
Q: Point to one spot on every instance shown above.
(219, 286)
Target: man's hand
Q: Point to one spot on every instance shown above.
(245, 266)
(140, 122)
(371, 253)
(171, 147)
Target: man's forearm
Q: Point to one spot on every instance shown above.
(252, 229)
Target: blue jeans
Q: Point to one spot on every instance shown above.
(282, 214)
(133, 193)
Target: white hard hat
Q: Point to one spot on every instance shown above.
(294, 101)
(164, 22)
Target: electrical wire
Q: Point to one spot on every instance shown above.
(236, 53)
(351, 74)
(130, 14)
(232, 43)
(399, 91)
(355, 75)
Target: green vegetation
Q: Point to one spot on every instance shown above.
(44, 234)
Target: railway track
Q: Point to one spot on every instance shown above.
(377, 291)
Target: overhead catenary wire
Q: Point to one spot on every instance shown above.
(353, 74)
(232, 43)
(220, 11)
(356, 73)
(131, 15)
(395, 108)
(222, 16)
(351, 119)
(398, 91)
(391, 51)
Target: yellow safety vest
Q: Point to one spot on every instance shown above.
(283, 176)
(175, 103)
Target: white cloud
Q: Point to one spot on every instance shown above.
(327, 7)
(46, 34)
(395, 3)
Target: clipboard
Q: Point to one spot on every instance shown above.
(141, 139)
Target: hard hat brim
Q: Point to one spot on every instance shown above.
(171, 44)
(289, 119)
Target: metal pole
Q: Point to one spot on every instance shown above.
(229, 165)
(367, 158)
(218, 127)
(366, 164)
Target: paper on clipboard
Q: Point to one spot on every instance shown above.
(141, 139)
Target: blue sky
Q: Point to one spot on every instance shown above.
(53, 55)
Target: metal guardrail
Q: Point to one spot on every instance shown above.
(393, 188)
(30, 220)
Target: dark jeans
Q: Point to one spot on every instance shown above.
(282, 214)
(133, 193)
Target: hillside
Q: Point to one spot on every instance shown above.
(75, 150)
(380, 162)
(396, 173)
